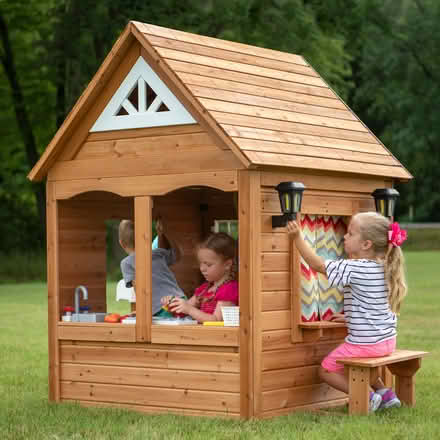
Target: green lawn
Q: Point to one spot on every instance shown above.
(25, 412)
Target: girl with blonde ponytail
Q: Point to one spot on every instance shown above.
(373, 280)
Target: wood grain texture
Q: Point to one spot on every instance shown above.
(167, 397)
(150, 163)
(195, 335)
(155, 377)
(145, 409)
(230, 55)
(143, 237)
(53, 291)
(149, 356)
(96, 332)
(148, 185)
(217, 43)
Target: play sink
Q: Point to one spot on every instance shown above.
(88, 317)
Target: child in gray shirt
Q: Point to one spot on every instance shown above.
(163, 280)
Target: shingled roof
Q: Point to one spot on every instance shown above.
(270, 108)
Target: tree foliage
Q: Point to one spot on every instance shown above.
(381, 56)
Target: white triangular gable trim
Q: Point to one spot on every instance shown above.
(141, 117)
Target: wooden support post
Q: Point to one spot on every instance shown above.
(359, 389)
(249, 219)
(53, 290)
(387, 377)
(143, 238)
(405, 385)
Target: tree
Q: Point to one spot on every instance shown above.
(399, 93)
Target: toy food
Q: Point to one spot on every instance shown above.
(112, 317)
(167, 308)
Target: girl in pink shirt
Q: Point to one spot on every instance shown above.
(216, 257)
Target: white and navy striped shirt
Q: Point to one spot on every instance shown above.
(367, 312)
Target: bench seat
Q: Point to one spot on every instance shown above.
(362, 372)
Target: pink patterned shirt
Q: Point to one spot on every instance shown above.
(209, 300)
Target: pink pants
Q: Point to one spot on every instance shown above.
(347, 350)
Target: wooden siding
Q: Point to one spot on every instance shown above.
(273, 106)
(147, 185)
(289, 366)
(145, 152)
(152, 379)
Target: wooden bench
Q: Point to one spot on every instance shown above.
(403, 364)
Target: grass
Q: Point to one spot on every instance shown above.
(25, 412)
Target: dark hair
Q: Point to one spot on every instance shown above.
(224, 245)
(221, 243)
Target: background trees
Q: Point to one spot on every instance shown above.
(380, 56)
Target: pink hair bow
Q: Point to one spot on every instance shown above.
(396, 236)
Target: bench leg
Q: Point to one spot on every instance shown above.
(359, 389)
(405, 386)
(387, 377)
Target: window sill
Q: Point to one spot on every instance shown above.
(314, 331)
(195, 335)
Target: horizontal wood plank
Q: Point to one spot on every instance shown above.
(299, 356)
(199, 49)
(134, 133)
(170, 54)
(249, 78)
(296, 396)
(195, 335)
(273, 159)
(275, 261)
(232, 46)
(279, 300)
(273, 114)
(277, 339)
(276, 320)
(158, 410)
(254, 135)
(96, 332)
(326, 182)
(275, 242)
(289, 378)
(151, 163)
(313, 408)
(305, 151)
(227, 118)
(272, 103)
(146, 356)
(396, 356)
(153, 377)
(143, 147)
(166, 397)
(272, 281)
(147, 185)
(256, 90)
(281, 339)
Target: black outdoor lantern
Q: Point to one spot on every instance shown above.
(385, 200)
(290, 194)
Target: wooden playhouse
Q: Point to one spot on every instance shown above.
(200, 130)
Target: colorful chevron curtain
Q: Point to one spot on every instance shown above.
(325, 234)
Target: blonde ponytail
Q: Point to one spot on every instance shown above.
(395, 277)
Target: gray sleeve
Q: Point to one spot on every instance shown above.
(128, 270)
(168, 254)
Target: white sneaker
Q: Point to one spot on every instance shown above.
(375, 401)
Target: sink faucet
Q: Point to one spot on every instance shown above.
(79, 289)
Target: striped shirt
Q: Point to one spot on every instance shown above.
(367, 312)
